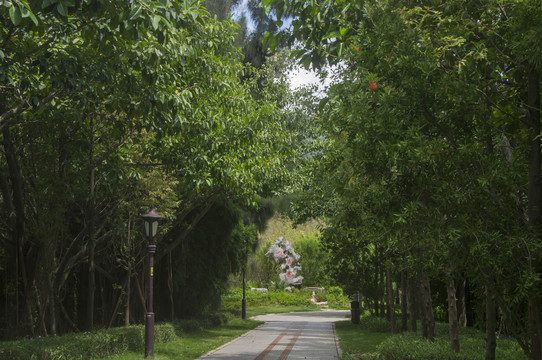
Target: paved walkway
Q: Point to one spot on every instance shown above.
(306, 335)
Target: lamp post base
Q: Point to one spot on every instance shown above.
(149, 334)
(244, 309)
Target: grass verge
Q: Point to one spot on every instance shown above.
(193, 344)
(372, 340)
(357, 343)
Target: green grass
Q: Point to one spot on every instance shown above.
(372, 340)
(355, 342)
(196, 343)
(277, 309)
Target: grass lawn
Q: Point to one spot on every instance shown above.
(277, 309)
(194, 344)
(354, 341)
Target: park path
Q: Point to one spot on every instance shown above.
(292, 336)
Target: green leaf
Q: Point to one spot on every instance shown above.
(47, 3)
(135, 13)
(61, 9)
(306, 61)
(15, 15)
(155, 21)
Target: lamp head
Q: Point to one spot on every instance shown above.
(151, 220)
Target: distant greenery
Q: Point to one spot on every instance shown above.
(334, 297)
(277, 297)
(305, 241)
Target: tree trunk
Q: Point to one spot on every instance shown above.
(535, 203)
(535, 310)
(412, 302)
(128, 273)
(491, 320)
(382, 287)
(391, 303)
(52, 307)
(462, 303)
(170, 286)
(377, 286)
(427, 316)
(404, 309)
(91, 235)
(17, 219)
(452, 316)
(91, 266)
(535, 176)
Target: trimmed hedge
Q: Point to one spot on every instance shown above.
(334, 296)
(279, 297)
(88, 345)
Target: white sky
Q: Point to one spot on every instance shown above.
(299, 77)
(241, 9)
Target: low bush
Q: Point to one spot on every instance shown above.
(336, 298)
(277, 297)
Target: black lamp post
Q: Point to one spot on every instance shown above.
(151, 220)
(244, 301)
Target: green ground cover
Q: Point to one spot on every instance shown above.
(355, 342)
(372, 339)
(193, 344)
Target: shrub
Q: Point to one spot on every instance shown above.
(335, 297)
(254, 298)
(320, 296)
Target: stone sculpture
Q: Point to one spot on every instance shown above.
(284, 254)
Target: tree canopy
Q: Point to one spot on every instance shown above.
(106, 108)
(432, 162)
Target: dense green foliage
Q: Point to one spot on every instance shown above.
(106, 108)
(432, 168)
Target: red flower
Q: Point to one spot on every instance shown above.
(288, 275)
(372, 85)
(357, 48)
